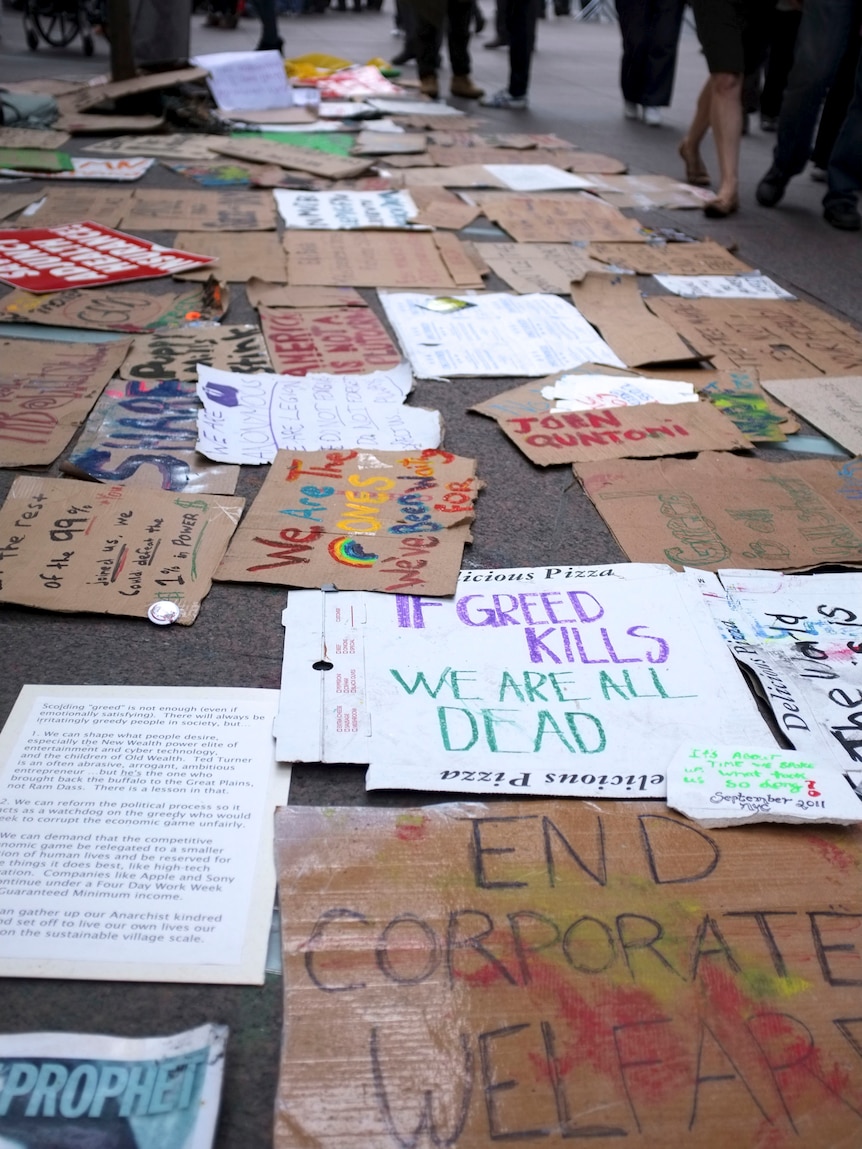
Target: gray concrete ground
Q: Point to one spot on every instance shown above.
(526, 516)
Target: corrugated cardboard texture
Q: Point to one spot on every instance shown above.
(294, 158)
(336, 340)
(440, 208)
(705, 258)
(613, 304)
(175, 353)
(72, 546)
(624, 432)
(472, 974)
(722, 511)
(779, 339)
(551, 218)
(118, 308)
(364, 259)
(46, 390)
(545, 267)
(239, 255)
(358, 521)
(230, 210)
(834, 406)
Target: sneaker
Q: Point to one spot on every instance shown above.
(843, 214)
(502, 99)
(770, 190)
(653, 117)
(818, 174)
(464, 87)
(631, 111)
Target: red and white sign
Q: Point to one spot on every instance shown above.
(85, 255)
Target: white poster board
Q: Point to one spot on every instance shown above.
(345, 210)
(498, 335)
(248, 80)
(723, 286)
(587, 392)
(137, 833)
(579, 681)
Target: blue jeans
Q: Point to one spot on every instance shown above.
(845, 162)
(824, 33)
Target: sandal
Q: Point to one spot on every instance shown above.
(695, 169)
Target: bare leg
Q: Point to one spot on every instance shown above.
(689, 148)
(726, 124)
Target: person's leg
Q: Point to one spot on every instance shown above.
(269, 37)
(634, 17)
(689, 148)
(845, 166)
(427, 40)
(660, 52)
(726, 122)
(782, 43)
(521, 16)
(836, 105)
(458, 15)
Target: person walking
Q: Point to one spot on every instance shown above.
(826, 28)
(650, 32)
(520, 20)
(844, 173)
(434, 19)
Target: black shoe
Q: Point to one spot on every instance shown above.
(770, 190)
(844, 215)
(496, 44)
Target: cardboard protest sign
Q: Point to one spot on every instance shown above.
(72, 204)
(638, 432)
(341, 340)
(586, 391)
(613, 304)
(234, 210)
(359, 259)
(705, 257)
(217, 175)
(779, 339)
(722, 511)
(72, 546)
(90, 168)
(470, 175)
(294, 158)
(477, 150)
(240, 255)
(46, 390)
(576, 971)
(143, 434)
(542, 267)
(441, 209)
(747, 286)
(740, 396)
(834, 406)
(261, 294)
(97, 124)
(345, 210)
(375, 521)
(558, 218)
(176, 352)
(252, 80)
(731, 785)
(377, 143)
(85, 255)
(497, 335)
(800, 638)
(91, 95)
(175, 146)
(43, 138)
(588, 162)
(118, 308)
(552, 680)
(310, 413)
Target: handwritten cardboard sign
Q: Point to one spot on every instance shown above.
(43, 138)
(232, 210)
(72, 204)
(345, 210)
(497, 335)
(73, 546)
(572, 972)
(358, 520)
(558, 218)
(46, 390)
(779, 339)
(176, 146)
(99, 123)
(247, 418)
(90, 168)
(143, 434)
(723, 511)
(252, 80)
(800, 637)
(294, 158)
(701, 258)
(340, 340)
(741, 397)
(119, 308)
(637, 432)
(176, 352)
(439, 208)
(834, 405)
(542, 267)
(526, 673)
(360, 259)
(730, 785)
(262, 294)
(240, 254)
(614, 305)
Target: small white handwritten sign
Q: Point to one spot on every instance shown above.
(727, 785)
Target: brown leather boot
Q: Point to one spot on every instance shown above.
(464, 86)
(428, 86)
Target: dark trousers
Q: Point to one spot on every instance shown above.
(845, 163)
(836, 105)
(783, 30)
(650, 31)
(521, 17)
(269, 37)
(824, 33)
(459, 13)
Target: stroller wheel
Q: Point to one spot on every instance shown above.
(32, 40)
(87, 44)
